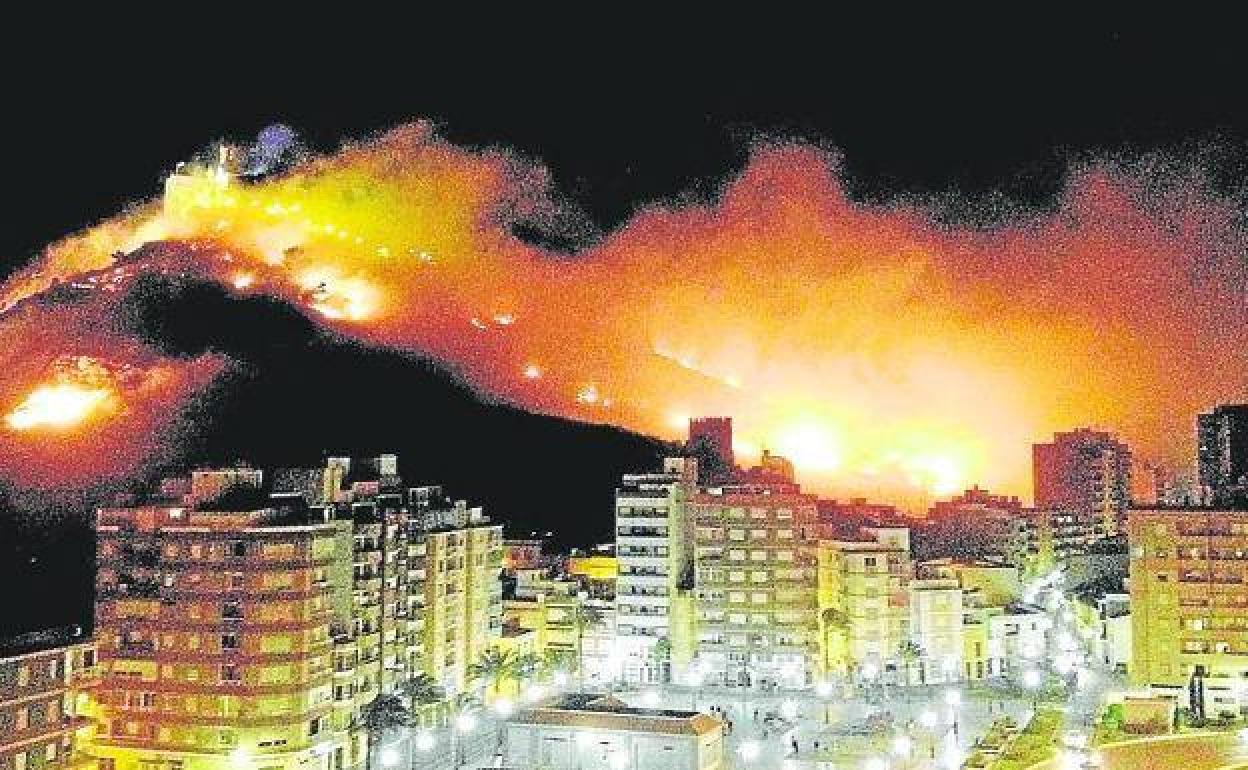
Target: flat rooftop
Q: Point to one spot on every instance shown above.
(605, 712)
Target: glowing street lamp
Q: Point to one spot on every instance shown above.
(389, 756)
(902, 745)
(953, 697)
(928, 719)
(504, 707)
(1031, 680)
(424, 741)
(749, 750)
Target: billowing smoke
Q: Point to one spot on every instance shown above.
(884, 351)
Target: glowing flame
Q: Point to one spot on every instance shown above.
(810, 446)
(57, 406)
(880, 348)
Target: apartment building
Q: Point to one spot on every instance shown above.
(654, 549)
(935, 651)
(864, 603)
(1085, 472)
(755, 557)
(43, 721)
(252, 622)
(213, 632)
(1189, 605)
(458, 591)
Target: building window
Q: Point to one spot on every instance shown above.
(237, 582)
(238, 549)
(229, 641)
(23, 676)
(231, 610)
(230, 674)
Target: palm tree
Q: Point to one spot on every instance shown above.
(379, 716)
(494, 666)
(528, 666)
(910, 653)
(555, 658)
(422, 690)
(661, 655)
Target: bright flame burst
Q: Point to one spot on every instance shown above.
(58, 406)
(881, 351)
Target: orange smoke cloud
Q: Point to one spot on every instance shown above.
(885, 352)
(81, 403)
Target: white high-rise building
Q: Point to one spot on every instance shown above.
(654, 546)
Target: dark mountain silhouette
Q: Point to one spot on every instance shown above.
(297, 393)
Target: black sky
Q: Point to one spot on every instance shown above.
(651, 112)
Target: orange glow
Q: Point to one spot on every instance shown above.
(884, 351)
(57, 406)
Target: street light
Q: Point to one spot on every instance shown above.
(749, 750)
(503, 707)
(424, 740)
(902, 745)
(389, 756)
(928, 719)
(1031, 680)
(953, 697)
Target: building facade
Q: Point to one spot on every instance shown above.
(44, 720)
(1222, 454)
(654, 549)
(213, 638)
(593, 732)
(1085, 472)
(1189, 604)
(864, 603)
(755, 557)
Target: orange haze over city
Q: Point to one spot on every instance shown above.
(886, 353)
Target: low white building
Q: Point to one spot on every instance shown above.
(936, 630)
(1111, 638)
(581, 731)
(1015, 637)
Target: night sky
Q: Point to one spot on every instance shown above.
(655, 113)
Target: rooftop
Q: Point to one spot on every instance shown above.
(41, 641)
(606, 712)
